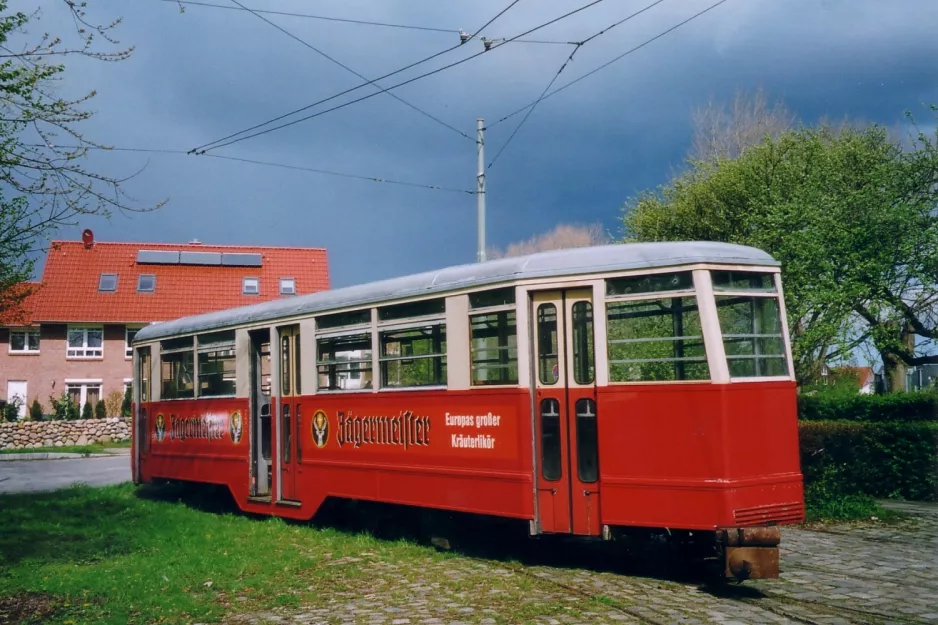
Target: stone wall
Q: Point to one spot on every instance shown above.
(33, 434)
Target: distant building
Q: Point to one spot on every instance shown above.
(73, 333)
(864, 377)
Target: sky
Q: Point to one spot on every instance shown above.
(205, 73)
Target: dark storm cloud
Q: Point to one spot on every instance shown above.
(203, 74)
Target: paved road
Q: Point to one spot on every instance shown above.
(842, 575)
(23, 476)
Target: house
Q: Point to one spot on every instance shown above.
(863, 377)
(73, 333)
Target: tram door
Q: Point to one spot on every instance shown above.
(260, 413)
(289, 413)
(565, 401)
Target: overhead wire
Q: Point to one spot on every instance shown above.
(257, 162)
(607, 64)
(219, 143)
(352, 71)
(563, 67)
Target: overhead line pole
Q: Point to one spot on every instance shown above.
(480, 187)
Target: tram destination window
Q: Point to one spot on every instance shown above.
(177, 369)
(414, 356)
(655, 340)
(654, 283)
(343, 319)
(748, 281)
(423, 308)
(217, 364)
(344, 362)
(493, 337)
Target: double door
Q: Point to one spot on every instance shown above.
(290, 413)
(565, 407)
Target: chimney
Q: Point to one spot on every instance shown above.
(195, 242)
(87, 237)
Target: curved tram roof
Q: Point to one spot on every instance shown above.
(558, 263)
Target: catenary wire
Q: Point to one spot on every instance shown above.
(256, 162)
(230, 140)
(349, 21)
(489, 23)
(607, 64)
(352, 71)
(563, 67)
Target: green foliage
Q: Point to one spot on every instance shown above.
(897, 407)
(63, 408)
(128, 402)
(825, 501)
(35, 410)
(849, 214)
(87, 412)
(896, 460)
(11, 411)
(100, 411)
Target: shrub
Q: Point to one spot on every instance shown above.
(100, 412)
(895, 407)
(11, 411)
(875, 459)
(86, 411)
(35, 410)
(128, 401)
(113, 403)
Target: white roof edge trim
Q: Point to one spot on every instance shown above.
(556, 263)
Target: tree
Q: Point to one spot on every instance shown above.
(113, 403)
(850, 214)
(87, 412)
(561, 237)
(44, 184)
(726, 131)
(100, 411)
(35, 410)
(127, 404)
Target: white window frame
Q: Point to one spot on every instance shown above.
(244, 284)
(25, 351)
(84, 383)
(82, 353)
(283, 281)
(140, 277)
(128, 348)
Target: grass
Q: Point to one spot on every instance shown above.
(125, 555)
(824, 504)
(93, 448)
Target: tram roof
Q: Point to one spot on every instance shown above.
(556, 263)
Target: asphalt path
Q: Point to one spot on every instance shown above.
(24, 476)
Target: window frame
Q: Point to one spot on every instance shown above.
(171, 351)
(244, 285)
(26, 332)
(283, 281)
(72, 353)
(101, 279)
(409, 323)
(484, 312)
(128, 342)
(140, 278)
(363, 330)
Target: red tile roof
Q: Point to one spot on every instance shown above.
(22, 313)
(72, 272)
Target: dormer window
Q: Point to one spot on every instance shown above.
(250, 286)
(287, 286)
(146, 283)
(108, 282)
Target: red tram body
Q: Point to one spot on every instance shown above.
(494, 389)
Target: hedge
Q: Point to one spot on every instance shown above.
(894, 407)
(894, 460)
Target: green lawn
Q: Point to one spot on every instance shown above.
(94, 448)
(126, 555)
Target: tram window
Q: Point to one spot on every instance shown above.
(422, 308)
(144, 374)
(494, 348)
(296, 365)
(587, 441)
(413, 356)
(265, 369)
(655, 340)
(551, 464)
(339, 320)
(344, 362)
(217, 364)
(177, 375)
(285, 362)
(631, 285)
(492, 298)
(548, 371)
(752, 336)
(584, 370)
(743, 281)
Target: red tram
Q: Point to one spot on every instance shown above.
(586, 391)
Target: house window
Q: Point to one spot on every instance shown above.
(24, 341)
(250, 286)
(129, 334)
(108, 282)
(146, 283)
(287, 286)
(85, 343)
(83, 392)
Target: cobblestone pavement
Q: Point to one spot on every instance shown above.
(832, 576)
